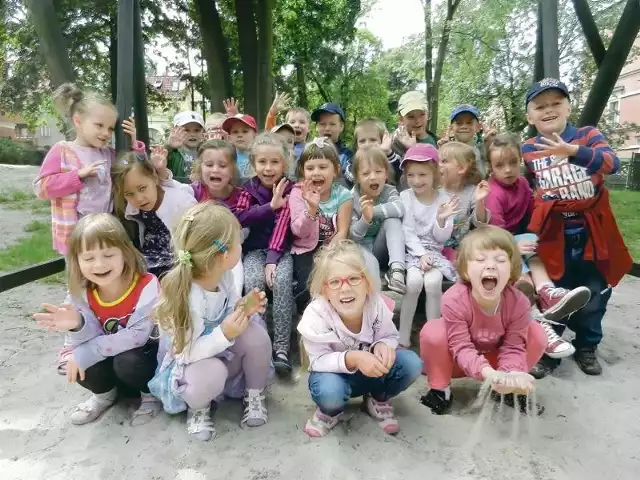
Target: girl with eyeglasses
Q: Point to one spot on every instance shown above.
(352, 344)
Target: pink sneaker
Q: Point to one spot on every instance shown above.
(556, 346)
(63, 357)
(320, 424)
(558, 303)
(382, 412)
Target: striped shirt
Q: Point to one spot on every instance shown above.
(387, 205)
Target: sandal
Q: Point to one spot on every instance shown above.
(395, 280)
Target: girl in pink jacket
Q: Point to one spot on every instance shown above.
(351, 341)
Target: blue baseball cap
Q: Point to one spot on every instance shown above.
(543, 85)
(327, 108)
(465, 108)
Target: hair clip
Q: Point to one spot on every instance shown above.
(320, 142)
(184, 257)
(221, 246)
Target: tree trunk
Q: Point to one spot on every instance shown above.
(428, 54)
(113, 59)
(248, 46)
(215, 50)
(264, 21)
(301, 85)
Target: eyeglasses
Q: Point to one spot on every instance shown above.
(336, 283)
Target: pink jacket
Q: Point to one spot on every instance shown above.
(327, 341)
(472, 333)
(306, 231)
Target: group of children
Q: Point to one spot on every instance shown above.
(168, 297)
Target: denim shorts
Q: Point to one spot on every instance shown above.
(525, 258)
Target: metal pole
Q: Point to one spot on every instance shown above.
(140, 80)
(125, 88)
(549, 22)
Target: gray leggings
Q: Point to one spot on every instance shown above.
(389, 243)
(205, 380)
(254, 263)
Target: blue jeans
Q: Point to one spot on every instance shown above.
(525, 258)
(331, 391)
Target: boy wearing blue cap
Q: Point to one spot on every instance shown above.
(465, 126)
(330, 119)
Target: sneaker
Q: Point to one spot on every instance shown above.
(523, 402)
(148, 409)
(199, 424)
(558, 303)
(320, 424)
(282, 364)
(89, 411)
(255, 409)
(587, 361)
(557, 347)
(395, 280)
(542, 369)
(63, 357)
(437, 401)
(382, 412)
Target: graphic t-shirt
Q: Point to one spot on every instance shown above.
(114, 316)
(156, 242)
(328, 211)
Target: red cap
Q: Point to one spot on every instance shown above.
(246, 119)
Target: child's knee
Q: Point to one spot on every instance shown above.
(329, 391)
(254, 338)
(392, 223)
(409, 363)
(433, 334)
(414, 282)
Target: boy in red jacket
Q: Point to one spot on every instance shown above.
(579, 241)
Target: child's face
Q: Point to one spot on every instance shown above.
(549, 112)
(140, 190)
(451, 172)
(95, 127)
(330, 125)
(420, 177)
(194, 135)
(287, 136)
(217, 169)
(214, 131)
(269, 164)
(415, 122)
(464, 127)
(321, 172)
(368, 137)
(505, 165)
(241, 135)
(488, 272)
(346, 290)
(371, 179)
(300, 124)
(101, 266)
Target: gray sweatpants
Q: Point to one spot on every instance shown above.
(388, 244)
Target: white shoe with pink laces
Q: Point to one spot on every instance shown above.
(382, 412)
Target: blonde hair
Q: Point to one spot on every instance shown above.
(368, 123)
(267, 139)
(488, 237)
(319, 147)
(503, 141)
(433, 166)
(301, 111)
(201, 239)
(126, 163)
(226, 148)
(100, 230)
(465, 156)
(69, 100)
(346, 252)
(215, 120)
(370, 155)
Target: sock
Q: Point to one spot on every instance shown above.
(545, 284)
(107, 397)
(447, 392)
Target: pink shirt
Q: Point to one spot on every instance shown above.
(472, 332)
(510, 205)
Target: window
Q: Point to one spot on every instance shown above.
(175, 86)
(614, 111)
(45, 131)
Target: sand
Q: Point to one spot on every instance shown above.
(588, 431)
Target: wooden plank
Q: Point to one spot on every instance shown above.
(31, 274)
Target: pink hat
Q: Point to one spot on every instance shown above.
(421, 152)
(246, 119)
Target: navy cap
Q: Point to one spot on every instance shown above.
(327, 108)
(544, 85)
(465, 108)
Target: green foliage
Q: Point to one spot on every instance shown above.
(17, 154)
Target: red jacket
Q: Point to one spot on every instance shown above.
(605, 246)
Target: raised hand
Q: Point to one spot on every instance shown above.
(253, 302)
(230, 107)
(386, 142)
(556, 147)
(482, 190)
(176, 138)
(407, 139)
(280, 103)
(59, 319)
(129, 128)
(159, 157)
(278, 200)
(311, 196)
(366, 207)
(93, 170)
(448, 209)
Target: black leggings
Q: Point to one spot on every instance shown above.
(302, 266)
(131, 369)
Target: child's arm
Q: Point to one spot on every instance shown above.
(136, 334)
(392, 208)
(596, 156)
(480, 215)
(204, 346)
(359, 225)
(280, 237)
(343, 221)
(512, 353)
(53, 183)
(302, 225)
(248, 213)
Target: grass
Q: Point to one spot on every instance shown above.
(23, 200)
(626, 206)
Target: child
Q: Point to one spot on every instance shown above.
(486, 331)
(464, 127)
(75, 176)
(213, 127)
(242, 131)
(510, 200)
(320, 210)
(427, 224)
(109, 318)
(460, 178)
(210, 340)
(297, 117)
(155, 207)
(287, 135)
(330, 119)
(579, 240)
(376, 222)
(412, 120)
(372, 131)
(187, 134)
(264, 209)
(348, 333)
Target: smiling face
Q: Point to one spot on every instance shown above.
(464, 127)
(140, 190)
(367, 137)
(300, 123)
(95, 127)
(241, 135)
(451, 172)
(217, 170)
(194, 135)
(269, 164)
(488, 272)
(415, 121)
(505, 165)
(321, 172)
(101, 265)
(372, 177)
(346, 290)
(549, 112)
(330, 125)
(421, 177)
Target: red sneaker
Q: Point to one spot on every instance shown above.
(558, 303)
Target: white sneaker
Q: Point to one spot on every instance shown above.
(88, 411)
(148, 409)
(255, 409)
(199, 424)
(556, 346)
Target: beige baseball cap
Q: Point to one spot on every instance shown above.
(411, 101)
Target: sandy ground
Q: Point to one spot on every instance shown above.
(589, 430)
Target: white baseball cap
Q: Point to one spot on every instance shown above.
(182, 118)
